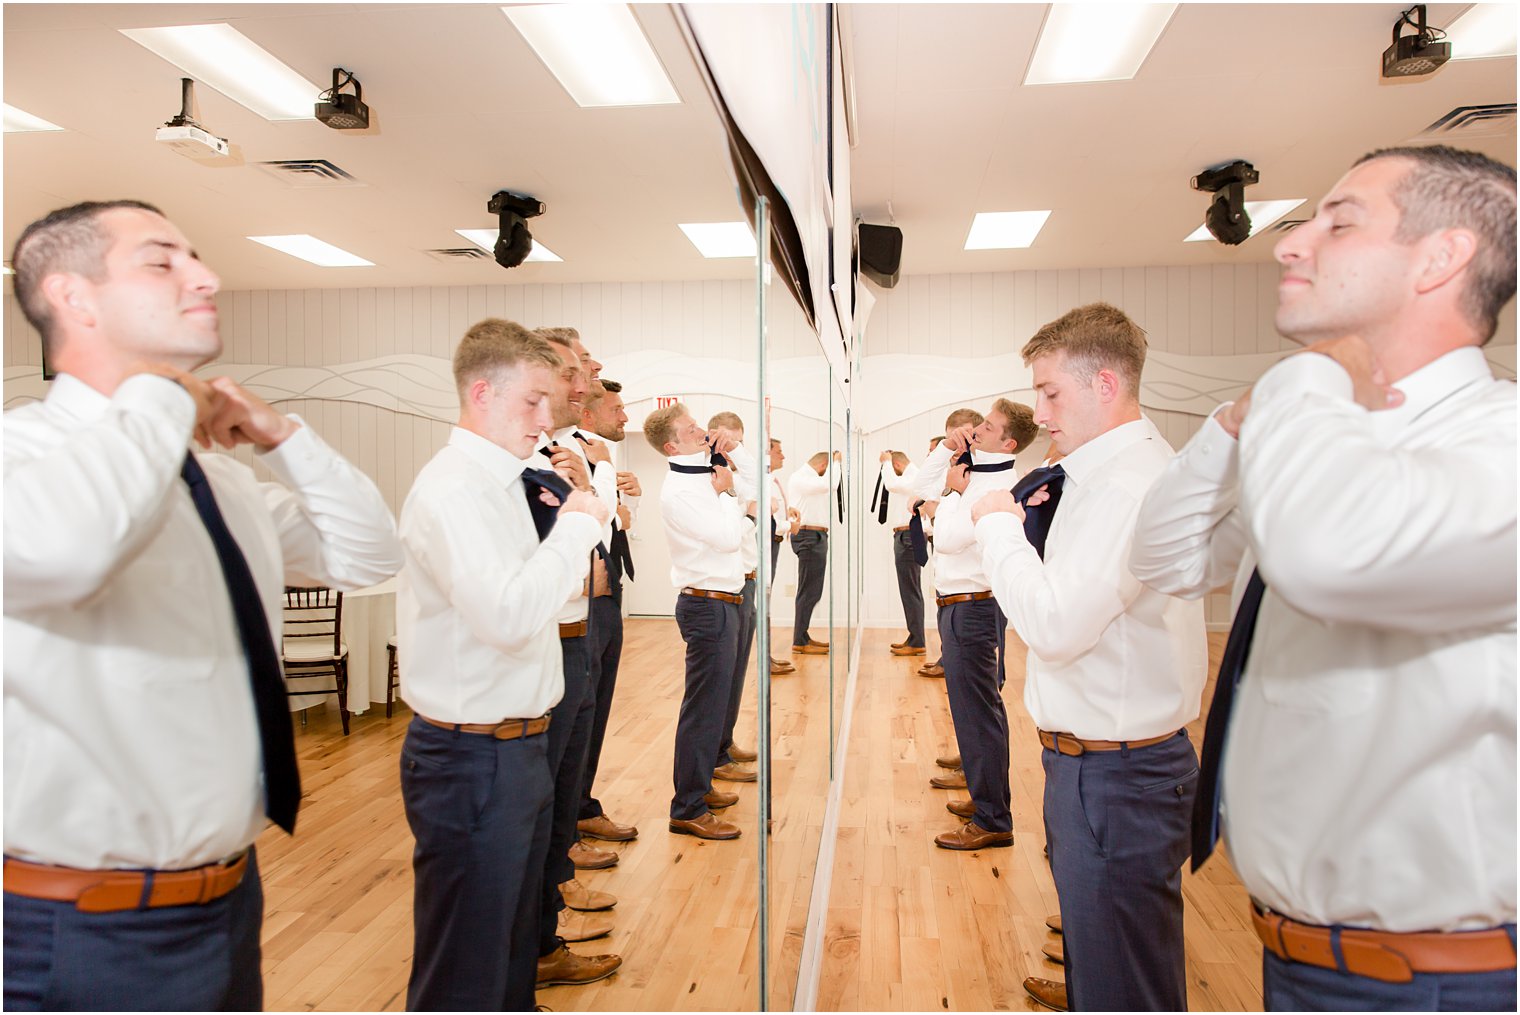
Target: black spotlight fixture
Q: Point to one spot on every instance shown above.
(1416, 55)
(338, 109)
(1226, 218)
(513, 242)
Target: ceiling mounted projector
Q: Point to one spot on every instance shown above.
(513, 241)
(338, 109)
(1416, 55)
(1226, 219)
(189, 138)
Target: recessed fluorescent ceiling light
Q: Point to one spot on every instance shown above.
(485, 239)
(598, 52)
(1485, 30)
(1095, 42)
(230, 62)
(18, 122)
(1002, 230)
(1263, 214)
(309, 248)
(721, 239)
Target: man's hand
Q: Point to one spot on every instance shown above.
(581, 502)
(723, 479)
(244, 418)
(959, 439)
(927, 509)
(207, 399)
(625, 517)
(722, 441)
(628, 485)
(1234, 414)
(1369, 386)
(750, 508)
(838, 456)
(596, 583)
(957, 478)
(996, 502)
(886, 456)
(596, 451)
(570, 468)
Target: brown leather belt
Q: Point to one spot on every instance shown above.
(115, 891)
(812, 528)
(727, 597)
(507, 729)
(902, 528)
(1384, 955)
(751, 576)
(575, 630)
(1067, 744)
(962, 597)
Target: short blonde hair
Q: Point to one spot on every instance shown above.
(1021, 427)
(559, 336)
(727, 420)
(494, 345)
(821, 458)
(962, 417)
(1094, 337)
(660, 426)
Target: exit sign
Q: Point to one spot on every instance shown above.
(666, 401)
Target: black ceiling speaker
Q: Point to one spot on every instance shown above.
(1413, 56)
(338, 109)
(1226, 219)
(880, 253)
(513, 241)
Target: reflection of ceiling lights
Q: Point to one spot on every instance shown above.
(1263, 214)
(1485, 30)
(1005, 230)
(721, 239)
(18, 122)
(485, 239)
(318, 252)
(597, 51)
(227, 60)
(1095, 42)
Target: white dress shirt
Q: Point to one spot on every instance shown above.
(957, 559)
(706, 530)
(1109, 659)
(901, 489)
(813, 495)
(477, 599)
(603, 480)
(779, 507)
(746, 489)
(1369, 774)
(130, 733)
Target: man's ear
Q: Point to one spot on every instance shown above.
(70, 297)
(1107, 385)
(478, 394)
(1448, 253)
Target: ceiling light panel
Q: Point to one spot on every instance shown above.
(1095, 42)
(597, 51)
(1483, 31)
(485, 239)
(19, 122)
(1005, 230)
(1263, 215)
(721, 239)
(225, 59)
(318, 252)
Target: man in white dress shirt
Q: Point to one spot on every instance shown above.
(1369, 770)
(1114, 671)
(971, 461)
(706, 527)
(147, 731)
(895, 486)
(732, 757)
(785, 521)
(489, 561)
(810, 490)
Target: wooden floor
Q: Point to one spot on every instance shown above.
(910, 927)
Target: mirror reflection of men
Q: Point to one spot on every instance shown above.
(897, 478)
(810, 489)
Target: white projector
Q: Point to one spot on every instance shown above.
(194, 143)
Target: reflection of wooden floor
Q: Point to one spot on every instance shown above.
(913, 927)
(338, 930)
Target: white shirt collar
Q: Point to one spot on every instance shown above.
(1090, 457)
(496, 460)
(695, 458)
(1432, 383)
(988, 457)
(74, 398)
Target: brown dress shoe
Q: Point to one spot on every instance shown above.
(741, 753)
(733, 773)
(931, 670)
(589, 858)
(909, 650)
(717, 799)
(565, 967)
(949, 761)
(953, 779)
(811, 650)
(972, 836)
(1050, 993)
(900, 644)
(1054, 922)
(708, 826)
(604, 828)
(962, 808)
(780, 666)
(820, 644)
(576, 926)
(585, 900)
(1055, 952)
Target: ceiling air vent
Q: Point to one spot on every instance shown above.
(459, 254)
(1472, 121)
(307, 173)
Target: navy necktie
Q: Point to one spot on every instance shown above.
(544, 515)
(916, 536)
(993, 466)
(621, 552)
(282, 776)
(692, 470)
(1037, 519)
(1231, 666)
(879, 501)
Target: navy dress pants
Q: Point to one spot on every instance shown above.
(479, 809)
(747, 617)
(910, 587)
(569, 740)
(606, 650)
(812, 549)
(710, 628)
(1117, 825)
(969, 635)
(179, 958)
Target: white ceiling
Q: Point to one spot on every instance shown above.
(462, 108)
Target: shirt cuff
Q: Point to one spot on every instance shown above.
(301, 458)
(1213, 455)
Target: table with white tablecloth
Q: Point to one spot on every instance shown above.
(369, 620)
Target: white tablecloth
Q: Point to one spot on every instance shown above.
(369, 620)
